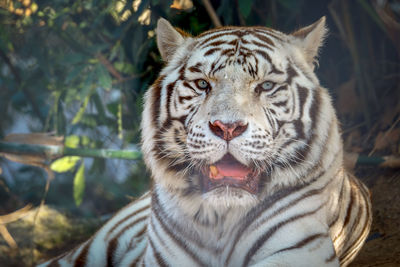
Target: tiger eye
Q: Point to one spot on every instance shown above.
(202, 84)
(267, 85)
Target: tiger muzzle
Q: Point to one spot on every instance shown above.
(228, 172)
(227, 131)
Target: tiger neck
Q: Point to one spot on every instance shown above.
(195, 216)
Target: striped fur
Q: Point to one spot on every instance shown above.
(307, 210)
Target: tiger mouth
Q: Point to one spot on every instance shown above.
(229, 172)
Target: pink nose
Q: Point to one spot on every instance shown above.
(227, 131)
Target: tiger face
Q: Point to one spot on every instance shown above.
(232, 115)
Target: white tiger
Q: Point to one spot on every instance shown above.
(244, 148)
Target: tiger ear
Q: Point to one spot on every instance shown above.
(311, 38)
(168, 39)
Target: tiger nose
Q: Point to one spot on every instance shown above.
(227, 131)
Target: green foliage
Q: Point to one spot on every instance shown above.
(79, 184)
(65, 164)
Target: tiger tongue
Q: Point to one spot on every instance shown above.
(221, 170)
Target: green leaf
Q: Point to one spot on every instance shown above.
(105, 79)
(64, 164)
(124, 67)
(72, 141)
(85, 141)
(74, 73)
(81, 111)
(120, 131)
(245, 7)
(79, 184)
(113, 108)
(74, 58)
(88, 85)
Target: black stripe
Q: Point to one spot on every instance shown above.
(267, 235)
(155, 100)
(269, 32)
(264, 39)
(158, 257)
(136, 261)
(162, 219)
(186, 84)
(291, 73)
(113, 244)
(338, 210)
(80, 261)
(350, 251)
(54, 263)
(263, 54)
(363, 204)
(266, 204)
(349, 207)
(227, 52)
(157, 234)
(216, 43)
(181, 99)
(303, 94)
(309, 239)
(116, 224)
(256, 64)
(215, 36)
(331, 257)
(280, 88)
(314, 111)
(261, 45)
(281, 103)
(224, 33)
(211, 51)
(300, 154)
(220, 67)
(195, 68)
(170, 90)
(348, 213)
(295, 201)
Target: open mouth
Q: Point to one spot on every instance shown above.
(230, 172)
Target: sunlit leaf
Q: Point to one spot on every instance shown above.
(79, 184)
(64, 164)
(72, 141)
(81, 111)
(120, 133)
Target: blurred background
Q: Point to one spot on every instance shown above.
(79, 69)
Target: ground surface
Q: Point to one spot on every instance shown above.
(383, 246)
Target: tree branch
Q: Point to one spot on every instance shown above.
(211, 12)
(51, 152)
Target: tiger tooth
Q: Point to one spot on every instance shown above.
(213, 171)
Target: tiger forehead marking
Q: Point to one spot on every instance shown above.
(246, 48)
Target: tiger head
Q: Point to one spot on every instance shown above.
(235, 112)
